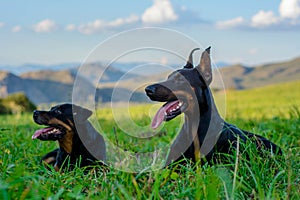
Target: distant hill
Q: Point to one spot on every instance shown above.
(97, 72)
(235, 76)
(140, 82)
(50, 86)
(19, 69)
(242, 77)
(275, 73)
(38, 91)
(91, 72)
(63, 76)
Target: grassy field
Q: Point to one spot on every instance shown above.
(272, 111)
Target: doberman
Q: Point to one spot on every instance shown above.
(204, 133)
(60, 121)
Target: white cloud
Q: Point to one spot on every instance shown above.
(288, 18)
(123, 21)
(230, 23)
(1, 24)
(70, 27)
(253, 51)
(160, 12)
(16, 29)
(289, 9)
(264, 19)
(101, 25)
(91, 27)
(46, 25)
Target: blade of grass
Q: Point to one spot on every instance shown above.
(235, 166)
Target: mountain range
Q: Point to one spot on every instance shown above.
(122, 66)
(54, 86)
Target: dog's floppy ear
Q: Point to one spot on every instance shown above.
(81, 114)
(205, 66)
(189, 63)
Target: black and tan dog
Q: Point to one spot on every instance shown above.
(204, 132)
(60, 122)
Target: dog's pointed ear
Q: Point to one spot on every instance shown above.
(205, 66)
(81, 114)
(189, 63)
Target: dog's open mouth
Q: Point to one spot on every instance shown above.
(48, 133)
(167, 112)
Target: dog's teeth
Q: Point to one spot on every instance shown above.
(52, 131)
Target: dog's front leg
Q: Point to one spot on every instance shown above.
(61, 158)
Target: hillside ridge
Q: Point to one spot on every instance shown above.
(49, 86)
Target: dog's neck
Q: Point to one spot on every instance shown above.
(66, 143)
(207, 127)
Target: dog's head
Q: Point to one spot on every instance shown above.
(59, 121)
(183, 89)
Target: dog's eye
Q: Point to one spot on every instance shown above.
(58, 112)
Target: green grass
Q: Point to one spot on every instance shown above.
(270, 111)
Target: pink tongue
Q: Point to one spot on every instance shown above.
(160, 114)
(41, 131)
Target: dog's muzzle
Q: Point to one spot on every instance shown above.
(172, 107)
(158, 92)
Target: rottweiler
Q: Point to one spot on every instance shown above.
(60, 126)
(204, 132)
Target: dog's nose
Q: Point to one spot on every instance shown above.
(150, 90)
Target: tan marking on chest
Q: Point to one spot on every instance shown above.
(66, 142)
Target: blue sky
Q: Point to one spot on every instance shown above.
(51, 32)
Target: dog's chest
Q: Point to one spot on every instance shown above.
(66, 142)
